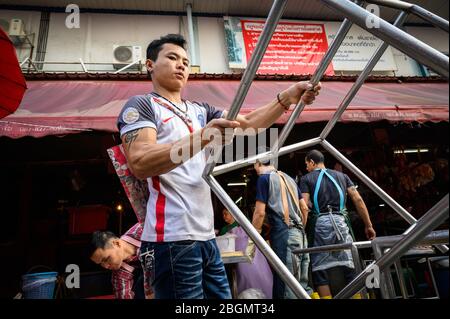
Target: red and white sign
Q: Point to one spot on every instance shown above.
(295, 48)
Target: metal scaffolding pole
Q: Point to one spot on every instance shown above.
(434, 238)
(374, 187)
(386, 288)
(399, 39)
(273, 259)
(432, 219)
(360, 81)
(358, 267)
(287, 128)
(264, 156)
(401, 279)
(426, 15)
(275, 14)
(394, 4)
(435, 20)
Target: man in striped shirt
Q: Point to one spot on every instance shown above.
(121, 256)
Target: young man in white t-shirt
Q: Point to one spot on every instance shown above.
(178, 251)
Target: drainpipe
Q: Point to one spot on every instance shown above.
(191, 34)
(42, 39)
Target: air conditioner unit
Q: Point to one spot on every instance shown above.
(126, 54)
(16, 28)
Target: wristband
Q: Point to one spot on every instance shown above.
(279, 101)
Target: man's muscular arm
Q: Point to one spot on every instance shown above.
(147, 158)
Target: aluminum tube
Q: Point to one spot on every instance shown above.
(401, 279)
(356, 258)
(389, 281)
(432, 18)
(432, 219)
(374, 187)
(272, 258)
(275, 15)
(404, 42)
(319, 249)
(191, 34)
(264, 156)
(287, 128)
(360, 81)
(433, 279)
(428, 16)
(393, 4)
(378, 253)
(435, 237)
(357, 262)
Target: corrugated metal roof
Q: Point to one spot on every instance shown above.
(296, 9)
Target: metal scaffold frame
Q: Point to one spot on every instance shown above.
(391, 35)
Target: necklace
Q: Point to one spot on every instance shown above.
(184, 116)
(173, 104)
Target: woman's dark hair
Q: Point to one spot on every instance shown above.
(155, 46)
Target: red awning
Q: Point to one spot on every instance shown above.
(65, 107)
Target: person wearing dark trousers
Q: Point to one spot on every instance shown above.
(328, 224)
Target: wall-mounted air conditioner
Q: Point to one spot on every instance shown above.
(126, 54)
(16, 28)
(16, 31)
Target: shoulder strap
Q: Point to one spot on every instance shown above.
(341, 193)
(294, 198)
(284, 199)
(316, 191)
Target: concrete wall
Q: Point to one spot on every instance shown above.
(98, 33)
(212, 45)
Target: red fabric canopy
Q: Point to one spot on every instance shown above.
(12, 82)
(64, 107)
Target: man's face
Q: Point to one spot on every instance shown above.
(310, 165)
(171, 68)
(109, 257)
(227, 217)
(257, 167)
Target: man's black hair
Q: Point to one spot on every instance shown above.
(263, 161)
(155, 46)
(100, 239)
(315, 156)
